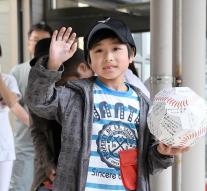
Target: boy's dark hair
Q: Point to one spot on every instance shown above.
(118, 30)
(133, 69)
(42, 26)
(42, 48)
(71, 65)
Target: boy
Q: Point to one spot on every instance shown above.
(101, 117)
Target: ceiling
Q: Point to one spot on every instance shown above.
(135, 13)
(136, 7)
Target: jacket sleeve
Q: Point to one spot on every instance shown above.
(42, 97)
(156, 161)
(43, 150)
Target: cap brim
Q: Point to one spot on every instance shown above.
(101, 26)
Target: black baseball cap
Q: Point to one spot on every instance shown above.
(117, 26)
(41, 49)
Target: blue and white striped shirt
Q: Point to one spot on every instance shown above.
(115, 119)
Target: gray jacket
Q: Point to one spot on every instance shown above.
(72, 107)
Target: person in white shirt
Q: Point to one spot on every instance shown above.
(131, 78)
(9, 95)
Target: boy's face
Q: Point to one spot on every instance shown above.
(110, 60)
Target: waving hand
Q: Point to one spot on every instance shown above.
(63, 46)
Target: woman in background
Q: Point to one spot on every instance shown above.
(9, 95)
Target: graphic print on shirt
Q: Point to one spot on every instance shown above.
(114, 137)
(115, 124)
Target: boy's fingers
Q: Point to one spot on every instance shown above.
(185, 149)
(71, 39)
(74, 47)
(67, 34)
(169, 150)
(166, 149)
(178, 150)
(61, 33)
(54, 35)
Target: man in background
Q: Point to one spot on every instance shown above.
(22, 174)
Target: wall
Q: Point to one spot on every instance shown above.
(8, 34)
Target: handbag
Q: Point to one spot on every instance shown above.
(128, 168)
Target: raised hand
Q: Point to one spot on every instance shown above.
(63, 46)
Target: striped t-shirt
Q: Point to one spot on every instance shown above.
(115, 119)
